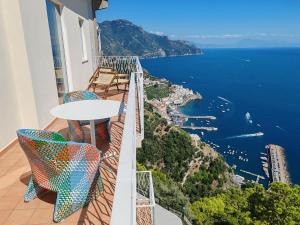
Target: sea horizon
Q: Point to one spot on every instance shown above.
(234, 82)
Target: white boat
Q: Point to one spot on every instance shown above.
(265, 165)
(266, 172)
(263, 158)
(259, 134)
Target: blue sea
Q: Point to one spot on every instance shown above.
(262, 83)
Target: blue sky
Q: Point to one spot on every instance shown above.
(217, 22)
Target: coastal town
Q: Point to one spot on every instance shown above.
(168, 106)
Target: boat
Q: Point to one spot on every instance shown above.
(248, 116)
(265, 165)
(263, 158)
(259, 134)
(263, 153)
(266, 172)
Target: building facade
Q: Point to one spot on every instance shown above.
(47, 47)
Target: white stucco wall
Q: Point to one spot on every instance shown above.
(40, 60)
(79, 72)
(9, 114)
(28, 85)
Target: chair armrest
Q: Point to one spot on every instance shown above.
(42, 134)
(123, 76)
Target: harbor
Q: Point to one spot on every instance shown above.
(169, 107)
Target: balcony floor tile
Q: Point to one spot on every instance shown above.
(15, 174)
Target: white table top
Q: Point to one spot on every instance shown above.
(88, 110)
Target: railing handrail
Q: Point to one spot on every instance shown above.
(148, 193)
(127, 64)
(124, 203)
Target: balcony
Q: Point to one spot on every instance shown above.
(127, 196)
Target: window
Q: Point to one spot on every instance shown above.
(82, 37)
(58, 51)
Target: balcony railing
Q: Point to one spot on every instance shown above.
(145, 196)
(125, 198)
(122, 64)
(128, 65)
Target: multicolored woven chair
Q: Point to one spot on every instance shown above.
(76, 131)
(68, 168)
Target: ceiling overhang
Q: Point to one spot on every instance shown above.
(100, 4)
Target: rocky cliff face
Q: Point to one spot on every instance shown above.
(121, 37)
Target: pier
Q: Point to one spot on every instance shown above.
(200, 128)
(201, 117)
(278, 164)
(255, 175)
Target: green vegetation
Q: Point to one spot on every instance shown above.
(279, 205)
(167, 192)
(157, 91)
(169, 150)
(207, 181)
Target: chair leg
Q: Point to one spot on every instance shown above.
(68, 201)
(102, 131)
(97, 187)
(33, 190)
(107, 130)
(106, 93)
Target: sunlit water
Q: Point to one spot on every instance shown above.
(249, 91)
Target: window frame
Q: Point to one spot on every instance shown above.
(84, 55)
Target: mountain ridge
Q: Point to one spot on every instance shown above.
(122, 37)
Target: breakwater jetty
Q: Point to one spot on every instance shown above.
(199, 117)
(278, 165)
(200, 128)
(253, 174)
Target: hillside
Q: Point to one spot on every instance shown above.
(121, 37)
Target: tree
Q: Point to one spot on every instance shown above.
(279, 205)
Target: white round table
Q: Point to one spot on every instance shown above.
(88, 110)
